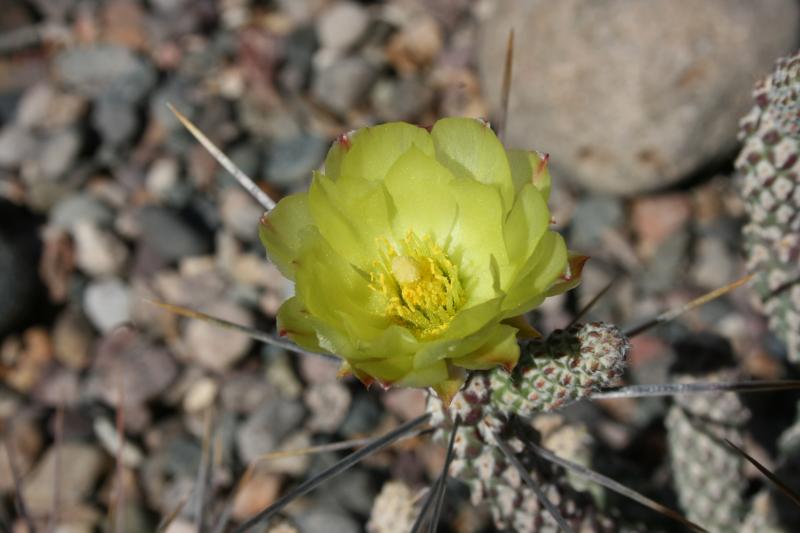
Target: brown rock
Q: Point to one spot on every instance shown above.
(624, 104)
(28, 358)
(189, 289)
(417, 44)
(266, 428)
(98, 252)
(26, 439)
(406, 403)
(43, 106)
(201, 394)
(57, 263)
(254, 269)
(124, 24)
(72, 339)
(58, 387)
(255, 492)
(80, 466)
(316, 370)
(461, 94)
(291, 465)
(657, 217)
(215, 347)
(129, 367)
(328, 404)
(241, 214)
(243, 392)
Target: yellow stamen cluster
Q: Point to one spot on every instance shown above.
(420, 284)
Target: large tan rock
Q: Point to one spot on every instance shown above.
(627, 95)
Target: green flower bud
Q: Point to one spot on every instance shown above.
(415, 252)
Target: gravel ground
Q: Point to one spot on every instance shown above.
(109, 404)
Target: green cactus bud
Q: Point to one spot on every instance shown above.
(564, 367)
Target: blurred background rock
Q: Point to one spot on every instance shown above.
(107, 203)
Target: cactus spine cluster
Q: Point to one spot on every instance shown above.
(564, 367)
(770, 166)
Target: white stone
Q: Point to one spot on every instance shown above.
(107, 303)
(162, 177)
(340, 26)
(98, 252)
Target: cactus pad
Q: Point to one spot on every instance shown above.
(771, 168)
(708, 474)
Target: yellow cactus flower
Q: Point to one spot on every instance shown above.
(416, 251)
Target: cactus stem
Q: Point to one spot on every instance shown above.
(526, 477)
(784, 286)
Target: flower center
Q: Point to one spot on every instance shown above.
(420, 285)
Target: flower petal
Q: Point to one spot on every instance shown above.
(471, 150)
(499, 349)
(526, 224)
(294, 323)
(351, 213)
(472, 319)
(422, 198)
(427, 376)
(395, 341)
(333, 161)
(388, 371)
(528, 291)
(571, 277)
(524, 328)
(477, 243)
(466, 333)
(530, 167)
(374, 150)
(448, 388)
(395, 371)
(335, 292)
(280, 231)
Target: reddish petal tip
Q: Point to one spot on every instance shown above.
(344, 141)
